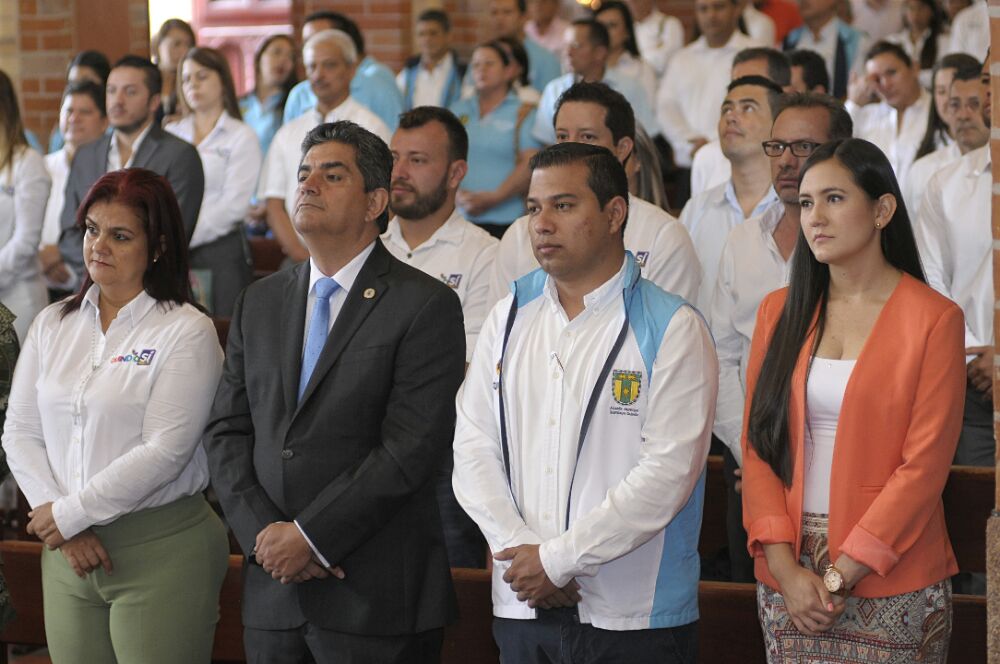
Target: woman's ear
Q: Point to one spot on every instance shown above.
(885, 209)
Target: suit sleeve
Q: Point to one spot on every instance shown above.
(70, 237)
(187, 177)
(229, 442)
(417, 431)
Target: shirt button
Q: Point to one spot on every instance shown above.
(548, 471)
(552, 423)
(287, 454)
(547, 516)
(409, 255)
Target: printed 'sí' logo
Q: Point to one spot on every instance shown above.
(451, 280)
(140, 358)
(625, 386)
(641, 257)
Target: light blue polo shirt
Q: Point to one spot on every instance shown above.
(263, 118)
(491, 152)
(543, 66)
(373, 86)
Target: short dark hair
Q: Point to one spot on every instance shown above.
(972, 72)
(88, 89)
(813, 65)
(522, 6)
(778, 68)
(342, 23)
(519, 54)
(598, 34)
(618, 114)
(607, 177)
(882, 47)
(774, 90)
(841, 125)
(92, 60)
(152, 200)
(458, 138)
(436, 16)
(372, 155)
(150, 72)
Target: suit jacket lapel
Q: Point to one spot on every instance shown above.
(293, 321)
(147, 148)
(359, 303)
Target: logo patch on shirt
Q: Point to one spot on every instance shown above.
(625, 386)
(141, 359)
(451, 280)
(641, 257)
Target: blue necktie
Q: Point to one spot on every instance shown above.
(319, 329)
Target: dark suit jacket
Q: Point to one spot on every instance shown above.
(161, 152)
(352, 462)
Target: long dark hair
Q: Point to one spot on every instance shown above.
(215, 61)
(12, 136)
(152, 200)
(937, 131)
(929, 53)
(631, 45)
(290, 80)
(809, 283)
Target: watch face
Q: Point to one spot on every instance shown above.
(833, 580)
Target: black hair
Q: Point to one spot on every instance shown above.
(618, 114)
(519, 54)
(437, 16)
(458, 138)
(631, 45)
(813, 65)
(883, 47)
(809, 283)
(342, 23)
(372, 155)
(290, 80)
(774, 91)
(778, 68)
(597, 34)
(606, 176)
(88, 89)
(92, 60)
(150, 72)
(929, 53)
(937, 133)
(841, 125)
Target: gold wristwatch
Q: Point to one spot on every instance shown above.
(833, 579)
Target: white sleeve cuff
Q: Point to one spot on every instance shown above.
(319, 555)
(69, 516)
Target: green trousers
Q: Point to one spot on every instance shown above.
(159, 605)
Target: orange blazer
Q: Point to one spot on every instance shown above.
(896, 437)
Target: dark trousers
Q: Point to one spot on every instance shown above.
(557, 636)
(464, 542)
(740, 562)
(228, 259)
(311, 645)
(976, 445)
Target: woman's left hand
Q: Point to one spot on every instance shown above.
(476, 202)
(43, 526)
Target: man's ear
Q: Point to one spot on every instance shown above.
(617, 209)
(378, 201)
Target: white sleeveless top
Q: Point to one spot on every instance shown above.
(824, 398)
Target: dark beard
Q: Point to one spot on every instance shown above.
(130, 129)
(423, 205)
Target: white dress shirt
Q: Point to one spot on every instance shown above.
(955, 239)
(920, 175)
(114, 155)
(879, 124)
(877, 19)
(914, 49)
(105, 424)
(279, 179)
(709, 168)
(231, 158)
(638, 70)
(428, 87)
(760, 26)
(461, 255)
(57, 164)
(708, 218)
(24, 192)
(659, 36)
(751, 267)
(693, 90)
(970, 31)
(658, 240)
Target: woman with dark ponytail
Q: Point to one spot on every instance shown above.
(855, 390)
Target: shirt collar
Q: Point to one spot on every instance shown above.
(595, 300)
(444, 63)
(136, 144)
(979, 161)
(451, 232)
(134, 311)
(335, 113)
(728, 197)
(769, 218)
(345, 276)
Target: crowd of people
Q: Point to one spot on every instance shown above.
(493, 345)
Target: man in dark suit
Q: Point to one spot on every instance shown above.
(133, 95)
(334, 412)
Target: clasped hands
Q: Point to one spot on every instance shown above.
(528, 579)
(283, 552)
(84, 552)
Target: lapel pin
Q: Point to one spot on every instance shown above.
(369, 293)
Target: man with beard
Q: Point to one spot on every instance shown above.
(429, 152)
(133, 96)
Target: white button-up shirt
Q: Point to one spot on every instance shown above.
(880, 124)
(279, 177)
(231, 158)
(693, 90)
(638, 70)
(970, 31)
(461, 255)
(659, 242)
(708, 218)
(751, 267)
(428, 87)
(57, 164)
(709, 168)
(104, 424)
(920, 175)
(956, 241)
(659, 36)
(114, 155)
(760, 26)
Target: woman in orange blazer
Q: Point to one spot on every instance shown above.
(855, 390)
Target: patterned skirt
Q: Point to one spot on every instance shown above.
(912, 627)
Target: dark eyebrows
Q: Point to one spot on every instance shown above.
(556, 197)
(325, 166)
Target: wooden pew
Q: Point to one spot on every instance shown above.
(266, 255)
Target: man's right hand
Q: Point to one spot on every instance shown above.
(314, 570)
(565, 597)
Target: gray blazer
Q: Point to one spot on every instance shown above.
(161, 152)
(353, 461)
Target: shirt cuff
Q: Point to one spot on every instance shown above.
(870, 551)
(70, 518)
(315, 551)
(558, 564)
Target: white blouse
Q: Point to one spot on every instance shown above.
(231, 158)
(103, 424)
(824, 398)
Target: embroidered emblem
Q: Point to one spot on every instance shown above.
(141, 359)
(641, 257)
(451, 280)
(625, 386)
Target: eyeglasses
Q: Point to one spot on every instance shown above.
(799, 148)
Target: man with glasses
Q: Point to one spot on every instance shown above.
(757, 255)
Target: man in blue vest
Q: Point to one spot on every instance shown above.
(508, 18)
(841, 46)
(432, 77)
(582, 434)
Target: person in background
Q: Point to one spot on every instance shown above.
(500, 143)
(432, 77)
(848, 536)
(518, 70)
(24, 191)
(83, 119)
(808, 72)
(842, 47)
(546, 27)
(85, 66)
(507, 19)
(274, 65)
(953, 7)
(373, 84)
(877, 18)
(785, 15)
(938, 133)
(231, 158)
(170, 43)
(103, 439)
(970, 31)
(759, 26)
(9, 351)
(924, 36)
(624, 60)
(658, 35)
